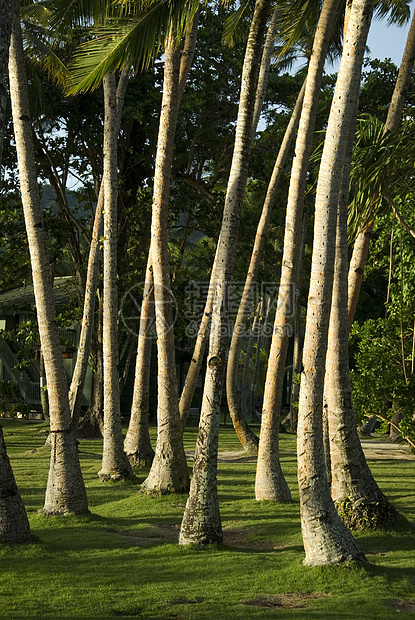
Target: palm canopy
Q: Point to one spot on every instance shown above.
(119, 34)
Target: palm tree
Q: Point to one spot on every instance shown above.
(201, 521)
(248, 440)
(115, 464)
(168, 472)
(14, 524)
(65, 490)
(362, 242)
(326, 539)
(270, 483)
(137, 444)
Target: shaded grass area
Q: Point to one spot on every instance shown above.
(123, 561)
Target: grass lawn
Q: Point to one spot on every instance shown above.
(123, 561)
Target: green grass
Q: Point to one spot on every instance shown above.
(122, 561)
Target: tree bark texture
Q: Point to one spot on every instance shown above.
(14, 524)
(201, 522)
(168, 473)
(270, 482)
(137, 444)
(92, 275)
(247, 438)
(115, 464)
(70, 494)
(326, 539)
(6, 7)
(393, 119)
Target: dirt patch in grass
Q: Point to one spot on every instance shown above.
(288, 600)
(150, 535)
(401, 605)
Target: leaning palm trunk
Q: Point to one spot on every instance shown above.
(137, 444)
(326, 539)
(247, 438)
(201, 521)
(84, 345)
(358, 499)
(65, 489)
(14, 524)
(362, 243)
(270, 483)
(168, 473)
(115, 464)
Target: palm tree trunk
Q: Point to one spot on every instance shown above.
(247, 438)
(362, 243)
(358, 499)
(168, 473)
(270, 482)
(201, 521)
(14, 524)
(326, 539)
(137, 444)
(65, 489)
(115, 464)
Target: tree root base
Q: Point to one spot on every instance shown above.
(368, 515)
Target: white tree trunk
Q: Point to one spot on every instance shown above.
(201, 521)
(65, 489)
(115, 464)
(326, 539)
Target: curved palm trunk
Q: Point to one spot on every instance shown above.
(326, 539)
(201, 521)
(168, 473)
(115, 464)
(358, 499)
(137, 444)
(247, 438)
(270, 482)
(362, 243)
(14, 524)
(65, 489)
(84, 345)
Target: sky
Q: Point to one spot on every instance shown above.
(384, 42)
(387, 41)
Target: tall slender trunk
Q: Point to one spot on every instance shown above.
(65, 489)
(137, 444)
(326, 539)
(247, 438)
(358, 499)
(138, 439)
(270, 482)
(168, 472)
(14, 524)
(115, 464)
(362, 242)
(201, 521)
(298, 342)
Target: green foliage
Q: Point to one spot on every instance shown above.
(11, 401)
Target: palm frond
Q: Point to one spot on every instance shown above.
(120, 42)
(397, 11)
(41, 55)
(235, 28)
